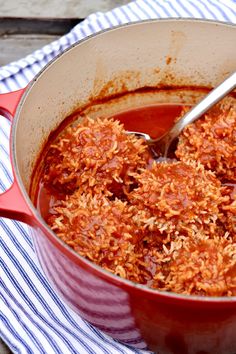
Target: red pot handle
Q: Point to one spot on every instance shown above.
(12, 202)
(9, 102)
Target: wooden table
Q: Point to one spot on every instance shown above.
(28, 25)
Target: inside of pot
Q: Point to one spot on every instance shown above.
(150, 55)
(158, 223)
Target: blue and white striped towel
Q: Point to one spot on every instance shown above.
(33, 319)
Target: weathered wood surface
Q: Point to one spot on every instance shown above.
(56, 8)
(18, 46)
(28, 25)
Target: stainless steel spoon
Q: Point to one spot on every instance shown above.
(163, 143)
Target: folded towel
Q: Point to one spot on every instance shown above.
(33, 318)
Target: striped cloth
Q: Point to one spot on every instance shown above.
(33, 319)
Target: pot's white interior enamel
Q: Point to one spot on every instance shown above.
(154, 53)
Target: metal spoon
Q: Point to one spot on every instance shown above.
(163, 143)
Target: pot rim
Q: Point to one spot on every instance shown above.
(68, 251)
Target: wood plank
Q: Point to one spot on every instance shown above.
(18, 46)
(27, 26)
(30, 25)
(56, 8)
(3, 348)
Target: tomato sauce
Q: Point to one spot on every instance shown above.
(153, 120)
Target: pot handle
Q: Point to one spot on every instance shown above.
(12, 202)
(9, 102)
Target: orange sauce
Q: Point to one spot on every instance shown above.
(153, 120)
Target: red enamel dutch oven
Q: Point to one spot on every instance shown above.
(152, 54)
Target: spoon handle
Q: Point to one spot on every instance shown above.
(213, 97)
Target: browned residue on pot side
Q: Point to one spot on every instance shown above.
(178, 39)
(168, 60)
(131, 81)
(100, 75)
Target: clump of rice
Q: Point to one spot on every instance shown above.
(95, 154)
(201, 266)
(103, 231)
(228, 208)
(211, 140)
(180, 198)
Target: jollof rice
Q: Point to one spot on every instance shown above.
(169, 225)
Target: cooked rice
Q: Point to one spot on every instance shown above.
(211, 140)
(94, 154)
(201, 266)
(228, 208)
(170, 226)
(103, 231)
(180, 198)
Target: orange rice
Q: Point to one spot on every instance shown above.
(169, 225)
(180, 198)
(95, 154)
(211, 140)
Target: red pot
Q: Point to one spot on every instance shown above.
(146, 54)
